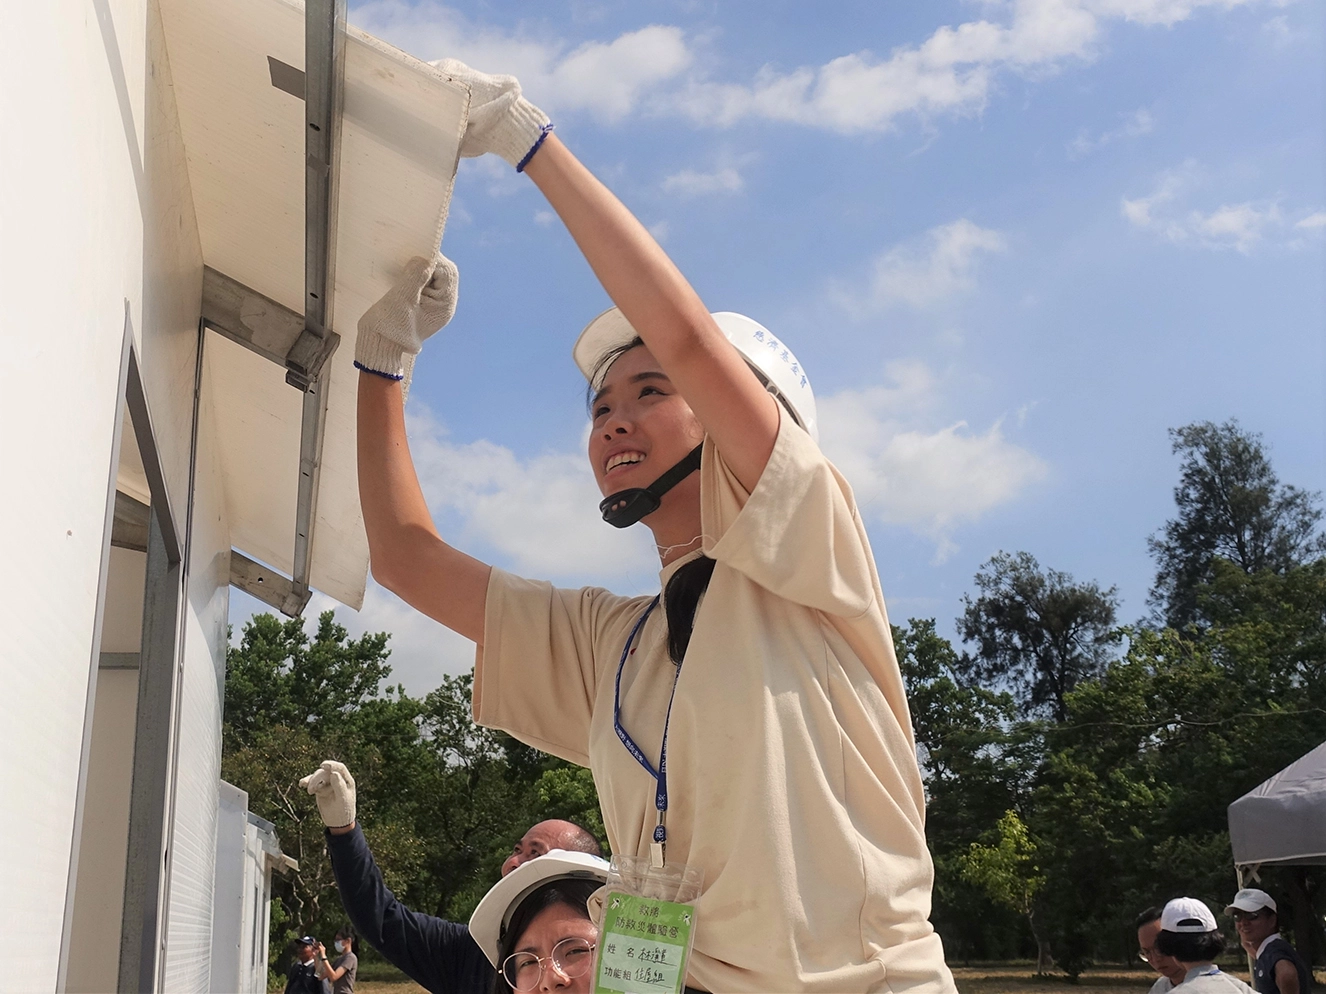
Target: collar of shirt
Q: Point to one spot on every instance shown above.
(1266, 942)
(1205, 970)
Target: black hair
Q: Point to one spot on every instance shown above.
(601, 367)
(1148, 916)
(348, 933)
(681, 600)
(574, 892)
(1190, 947)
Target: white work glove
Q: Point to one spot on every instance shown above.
(501, 120)
(334, 789)
(422, 301)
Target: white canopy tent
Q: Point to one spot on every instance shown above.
(1282, 820)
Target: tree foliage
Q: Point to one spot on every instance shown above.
(1121, 773)
(440, 799)
(1040, 631)
(1233, 508)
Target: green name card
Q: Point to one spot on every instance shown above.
(643, 945)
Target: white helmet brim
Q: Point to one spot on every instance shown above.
(771, 359)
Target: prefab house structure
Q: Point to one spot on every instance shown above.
(198, 199)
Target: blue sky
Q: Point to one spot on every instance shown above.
(1012, 243)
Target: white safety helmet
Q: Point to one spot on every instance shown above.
(489, 922)
(771, 359)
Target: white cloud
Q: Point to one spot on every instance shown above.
(689, 183)
(954, 71)
(1313, 221)
(1134, 125)
(928, 480)
(544, 218)
(1243, 226)
(538, 516)
(921, 274)
(656, 69)
(606, 79)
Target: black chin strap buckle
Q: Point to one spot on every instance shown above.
(626, 507)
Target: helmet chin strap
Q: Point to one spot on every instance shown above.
(626, 507)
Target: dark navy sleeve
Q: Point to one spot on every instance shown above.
(436, 954)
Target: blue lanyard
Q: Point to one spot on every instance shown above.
(661, 774)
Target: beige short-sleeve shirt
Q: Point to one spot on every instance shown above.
(792, 775)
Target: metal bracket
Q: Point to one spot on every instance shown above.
(261, 325)
(267, 585)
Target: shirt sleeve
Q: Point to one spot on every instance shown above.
(797, 534)
(536, 674)
(438, 955)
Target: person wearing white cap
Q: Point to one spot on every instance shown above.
(1277, 967)
(1171, 970)
(1189, 933)
(749, 721)
(534, 925)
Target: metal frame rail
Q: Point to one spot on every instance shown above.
(300, 343)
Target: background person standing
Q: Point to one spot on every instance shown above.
(302, 977)
(1171, 970)
(1277, 967)
(342, 970)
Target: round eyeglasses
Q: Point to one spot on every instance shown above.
(572, 957)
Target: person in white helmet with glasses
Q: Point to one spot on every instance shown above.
(749, 720)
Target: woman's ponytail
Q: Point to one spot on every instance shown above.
(681, 599)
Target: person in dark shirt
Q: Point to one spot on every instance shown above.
(1277, 967)
(302, 977)
(438, 955)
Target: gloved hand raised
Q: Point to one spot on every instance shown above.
(501, 120)
(334, 789)
(422, 301)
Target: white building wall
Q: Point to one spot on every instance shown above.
(71, 109)
(198, 764)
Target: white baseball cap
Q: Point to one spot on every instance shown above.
(771, 359)
(490, 919)
(1251, 899)
(1187, 914)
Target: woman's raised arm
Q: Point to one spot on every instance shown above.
(407, 555)
(661, 305)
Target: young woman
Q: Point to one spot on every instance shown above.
(534, 924)
(779, 758)
(342, 970)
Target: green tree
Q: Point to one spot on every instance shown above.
(1232, 507)
(1040, 632)
(1006, 869)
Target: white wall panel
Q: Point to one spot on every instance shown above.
(95, 949)
(71, 99)
(198, 753)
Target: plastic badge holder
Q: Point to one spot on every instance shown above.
(648, 927)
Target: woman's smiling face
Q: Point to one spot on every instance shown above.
(642, 426)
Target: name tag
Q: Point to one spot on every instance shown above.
(644, 945)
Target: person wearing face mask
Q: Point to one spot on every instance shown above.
(749, 721)
(440, 956)
(342, 970)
